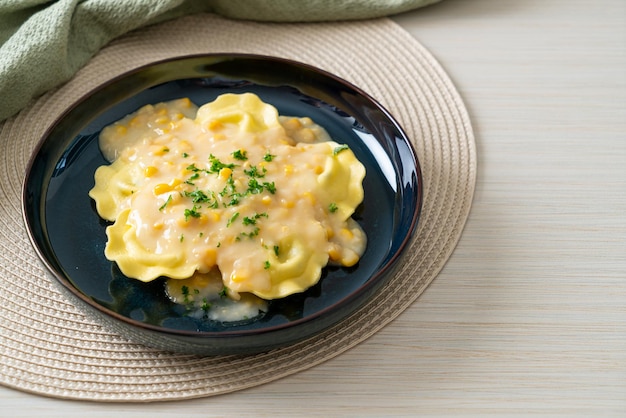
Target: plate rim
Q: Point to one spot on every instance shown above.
(371, 285)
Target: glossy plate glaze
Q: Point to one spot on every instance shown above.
(69, 236)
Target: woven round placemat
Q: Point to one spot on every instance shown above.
(48, 347)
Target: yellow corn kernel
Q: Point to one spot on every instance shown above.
(318, 169)
(157, 225)
(309, 197)
(134, 121)
(184, 145)
(334, 253)
(307, 135)
(178, 116)
(287, 203)
(174, 182)
(219, 137)
(162, 111)
(121, 129)
(185, 102)
(161, 188)
(162, 120)
(215, 124)
(346, 234)
(210, 256)
(225, 173)
(330, 232)
(288, 169)
(161, 151)
(266, 200)
(150, 171)
(182, 222)
(237, 277)
(349, 259)
(215, 216)
(293, 123)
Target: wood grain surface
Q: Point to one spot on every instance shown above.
(529, 315)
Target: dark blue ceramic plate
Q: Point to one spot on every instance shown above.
(69, 236)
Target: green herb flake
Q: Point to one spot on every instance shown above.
(205, 305)
(185, 291)
(340, 148)
(185, 155)
(251, 234)
(268, 157)
(270, 187)
(215, 165)
(193, 212)
(192, 167)
(232, 219)
(255, 173)
(252, 220)
(276, 250)
(240, 155)
(332, 208)
(266, 265)
(181, 238)
(198, 196)
(224, 292)
(167, 202)
(190, 180)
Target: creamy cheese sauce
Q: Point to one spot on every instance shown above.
(230, 188)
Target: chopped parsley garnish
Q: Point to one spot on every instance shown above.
(198, 196)
(185, 291)
(232, 219)
(185, 155)
(192, 167)
(332, 208)
(276, 250)
(216, 165)
(205, 305)
(190, 180)
(167, 202)
(268, 157)
(340, 148)
(254, 172)
(193, 212)
(266, 265)
(251, 234)
(223, 292)
(240, 155)
(249, 221)
(270, 187)
(181, 238)
(230, 190)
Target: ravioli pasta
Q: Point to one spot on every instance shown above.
(231, 186)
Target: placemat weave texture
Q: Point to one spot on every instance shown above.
(48, 347)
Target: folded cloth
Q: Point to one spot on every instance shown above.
(43, 42)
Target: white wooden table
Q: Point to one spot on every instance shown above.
(529, 314)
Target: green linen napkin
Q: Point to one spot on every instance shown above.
(43, 43)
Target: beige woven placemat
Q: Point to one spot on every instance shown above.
(48, 347)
